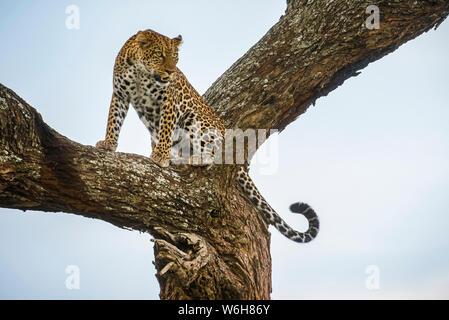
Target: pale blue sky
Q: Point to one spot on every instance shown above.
(371, 158)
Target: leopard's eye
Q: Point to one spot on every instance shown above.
(175, 54)
(159, 54)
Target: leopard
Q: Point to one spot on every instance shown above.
(146, 76)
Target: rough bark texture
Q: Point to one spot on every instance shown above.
(210, 242)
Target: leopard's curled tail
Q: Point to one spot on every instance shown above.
(273, 218)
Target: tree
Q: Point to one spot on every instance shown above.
(210, 242)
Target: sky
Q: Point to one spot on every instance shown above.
(371, 157)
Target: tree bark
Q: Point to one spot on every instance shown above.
(210, 242)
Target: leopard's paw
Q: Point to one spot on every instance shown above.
(158, 159)
(106, 145)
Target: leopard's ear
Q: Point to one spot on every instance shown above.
(177, 40)
(142, 39)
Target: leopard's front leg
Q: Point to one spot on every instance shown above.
(161, 152)
(117, 113)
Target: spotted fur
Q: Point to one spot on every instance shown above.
(273, 218)
(146, 76)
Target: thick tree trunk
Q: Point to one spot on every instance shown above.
(210, 242)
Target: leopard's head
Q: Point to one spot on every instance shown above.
(157, 54)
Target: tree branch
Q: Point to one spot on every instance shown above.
(312, 50)
(210, 243)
